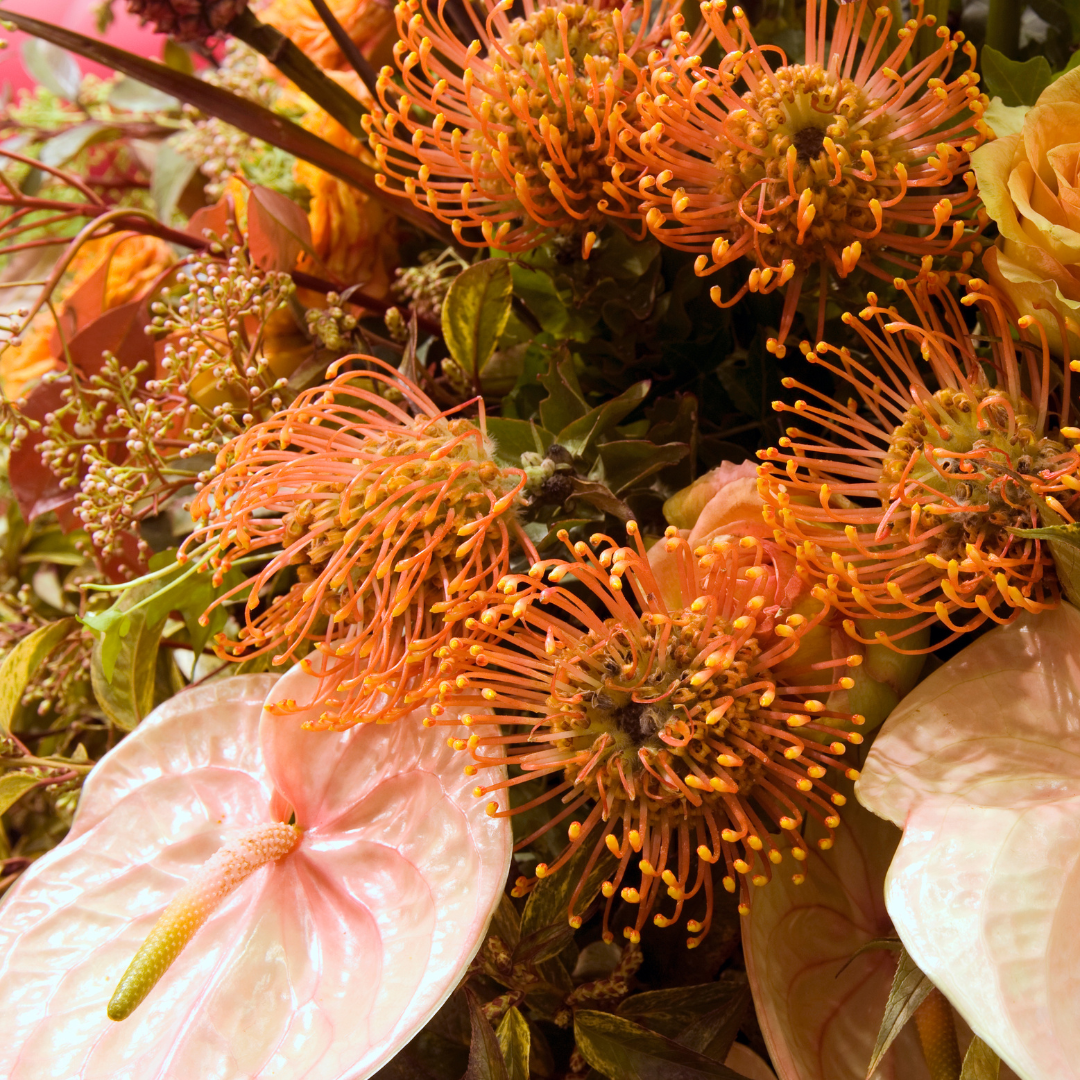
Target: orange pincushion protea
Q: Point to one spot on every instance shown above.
(903, 500)
(514, 134)
(815, 167)
(390, 519)
(671, 727)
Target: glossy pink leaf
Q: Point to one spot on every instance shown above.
(820, 1019)
(980, 764)
(321, 965)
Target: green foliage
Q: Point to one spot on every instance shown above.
(910, 988)
(1063, 539)
(622, 1050)
(1015, 82)
(125, 657)
(980, 1062)
(474, 315)
(22, 662)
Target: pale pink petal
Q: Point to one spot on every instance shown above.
(319, 966)
(999, 724)
(821, 1022)
(981, 765)
(381, 800)
(197, 739)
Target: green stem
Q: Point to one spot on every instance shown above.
(1003, 26)
(291, 62)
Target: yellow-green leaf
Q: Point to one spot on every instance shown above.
(485, 1054)
(475, 312)
(13, 786)
(1063, 540)
(910, 988)
(515, 1041)
(622, 1050)
(1015, 82)
(22, 661)
(980, 1062)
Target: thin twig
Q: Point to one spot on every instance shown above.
(360, 63)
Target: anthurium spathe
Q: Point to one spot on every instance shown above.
(320, 963)
(980, 765)
(820, 1000)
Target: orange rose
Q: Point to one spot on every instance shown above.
(1030, 184)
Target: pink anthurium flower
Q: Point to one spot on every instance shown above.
(819, 1008)
(334, 887)
(980, 765)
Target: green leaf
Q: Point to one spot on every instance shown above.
(626, 462)
(565, 401)
(579, 435)
(692, 1015)
(171, 174)
(23, 661)
(475, 313)
(549, 902)
(516, 437)
(56, 69)
(980, 1062)
(123, 664)
(623, 1050)
(515, 1041)
(551, 306)
(1063, 539)
(13, 786)
(177, 57)
(61, 148)
(910, 988)
(543, 944)
(485, 1055)
(136, 96)
(1015, 82)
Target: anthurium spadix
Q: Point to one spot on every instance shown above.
(819, 992)
(980, 766)
(341, 882)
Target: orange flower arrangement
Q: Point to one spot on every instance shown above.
(814, 168)
(511, 133)
(902, 501)
(354, 235)
(367, 22)
(391, 515)
(125, 265)
(668, 727)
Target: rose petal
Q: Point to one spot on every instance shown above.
(981, 765)
(321, 965)
(820, 1019)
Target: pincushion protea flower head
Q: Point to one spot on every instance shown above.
(391, 514)
(187, 20)
(903, 501)
(816, 167)
(513, 132)
(668, 728)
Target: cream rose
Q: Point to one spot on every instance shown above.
(1030, 184)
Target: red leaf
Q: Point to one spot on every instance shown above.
(36, 489)
(278, 230)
